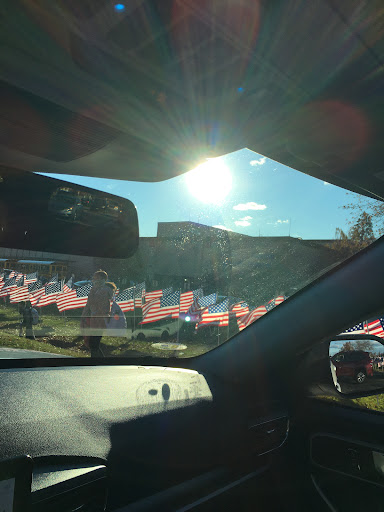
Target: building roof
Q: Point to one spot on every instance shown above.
(36, 262)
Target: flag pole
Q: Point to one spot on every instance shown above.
(178, 321)
(228, 325)
(134, 315)
(218, 329)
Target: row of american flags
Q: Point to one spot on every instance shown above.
(155, 305)
(192, 306)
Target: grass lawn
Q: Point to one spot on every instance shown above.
(372, 403)
(61, 335)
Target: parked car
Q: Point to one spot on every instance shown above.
(163, 332)
(66, 205)
(355, 364)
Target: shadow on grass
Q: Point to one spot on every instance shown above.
(13, 325)
(69, 344)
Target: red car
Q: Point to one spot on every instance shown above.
(356, 364)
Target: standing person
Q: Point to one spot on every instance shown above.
(27, 321)
(96, 311)
(21, 307)
(116, 323)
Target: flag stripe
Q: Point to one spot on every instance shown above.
(217, 314)
(161, 308)
(251, 317)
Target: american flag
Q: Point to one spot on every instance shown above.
(250, 317)
(20, 281)
(360, 328)
(278, 300)
(157, 294)
(274, 302)
(207, 300)
(187, 299)
(20, 293)
(36, 290)
(34, 287)
(216, 314)
(50, 294)
(153, 295)
(199, 304)
(239, 309)
(125, 299)
(376, 327)
(30, 278)
(68, 285)
(19, 277)
(9, 286)
(161, 308)
(54, 279)
(139, 294)
(74, 298)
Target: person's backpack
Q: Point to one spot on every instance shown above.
(116, 323)
(35, 316)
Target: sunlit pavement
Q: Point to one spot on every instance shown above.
(18, 353)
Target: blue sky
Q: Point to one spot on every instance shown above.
(261, 197)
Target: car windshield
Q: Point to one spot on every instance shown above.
(220, 247)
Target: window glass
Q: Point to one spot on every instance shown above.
(220, 247)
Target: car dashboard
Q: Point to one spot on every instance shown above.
(134, 437)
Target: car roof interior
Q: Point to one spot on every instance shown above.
(148, 93)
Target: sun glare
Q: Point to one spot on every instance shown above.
(210, 182)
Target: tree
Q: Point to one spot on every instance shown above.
(362, 231)
(347, 347)
(359, 236)
(367, 205)
(365, 345)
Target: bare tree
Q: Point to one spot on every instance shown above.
(369, 206)
(365, 345)
(347, 347)
(359, 236)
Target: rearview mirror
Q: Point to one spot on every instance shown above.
(357, 364)
(38, 213)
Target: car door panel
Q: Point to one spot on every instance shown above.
(340, 446)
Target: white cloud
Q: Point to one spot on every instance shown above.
(220, 226)
(326, 183)
(243, 223)
(246, 218)
(249, 206)
(282, 221)
(260, 161)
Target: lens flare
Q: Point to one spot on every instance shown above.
(210, 182)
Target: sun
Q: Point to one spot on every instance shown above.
(210, 182)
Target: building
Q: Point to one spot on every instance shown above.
(187, 255)
(46, 263)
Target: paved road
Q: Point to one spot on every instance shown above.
(18, 353)
(370, 384)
